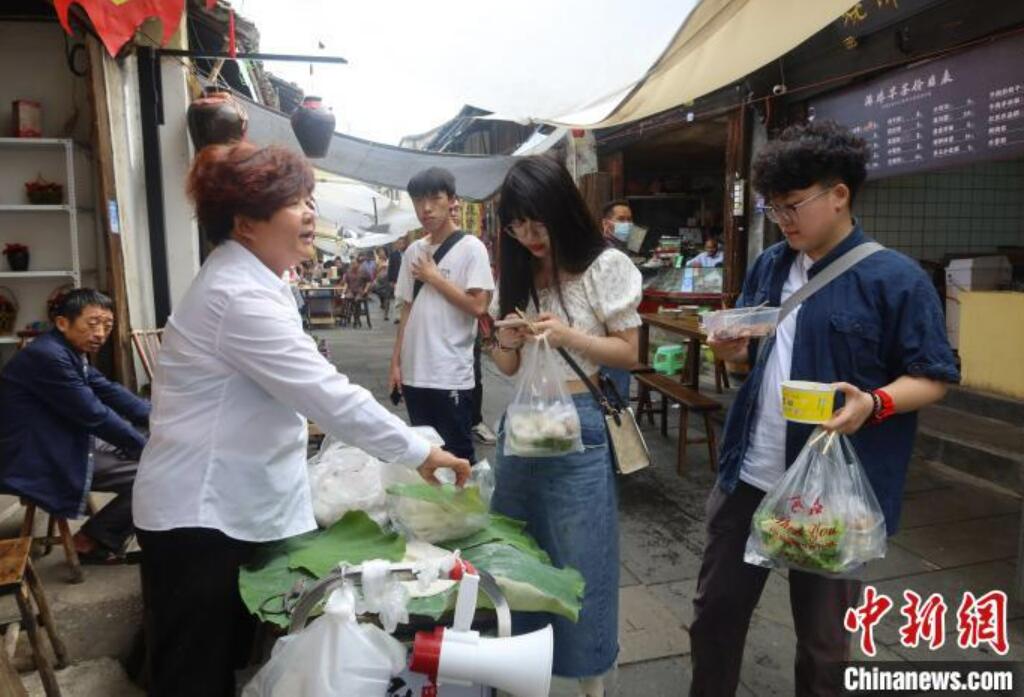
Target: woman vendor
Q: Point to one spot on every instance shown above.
(236, 380)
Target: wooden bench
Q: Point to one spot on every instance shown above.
(18, 577)
(688, 399)
(65, 539)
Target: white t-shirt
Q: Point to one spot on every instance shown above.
(765, 460)
(437, 347)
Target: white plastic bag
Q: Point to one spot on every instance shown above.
(823, 516)
(342, 479)
(542, 420)
(334, 656)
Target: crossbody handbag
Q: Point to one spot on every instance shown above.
(629, 449)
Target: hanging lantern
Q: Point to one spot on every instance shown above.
(216, 118)
(313, 124)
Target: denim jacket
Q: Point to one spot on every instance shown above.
(876, 322)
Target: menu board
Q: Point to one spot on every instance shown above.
(951, 111)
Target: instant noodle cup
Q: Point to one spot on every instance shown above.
(807, 402)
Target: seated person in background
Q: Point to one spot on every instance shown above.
(617, 223)
(711, 257)
(53, 407)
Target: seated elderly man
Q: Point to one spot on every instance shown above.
(54, 407)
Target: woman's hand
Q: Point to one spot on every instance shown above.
(731, 350)
(856, 410)
(559, 334)
(512, 337)
(441, 459)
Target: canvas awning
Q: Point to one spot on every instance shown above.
(720, 42)
(477, 177)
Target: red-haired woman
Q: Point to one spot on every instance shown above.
(236, 379)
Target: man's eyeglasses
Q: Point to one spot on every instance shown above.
(788, 213)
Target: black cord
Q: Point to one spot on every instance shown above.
(71, 53)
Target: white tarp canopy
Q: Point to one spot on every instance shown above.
(582, 62)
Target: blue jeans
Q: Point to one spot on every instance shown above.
(450, 412)
(570, 505)
(620, 377)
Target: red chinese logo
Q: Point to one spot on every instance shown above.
(983, 621)
(866, 616)
(925, 621)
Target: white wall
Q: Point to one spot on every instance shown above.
(33, 66)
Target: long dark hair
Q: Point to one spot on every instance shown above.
(539, 188)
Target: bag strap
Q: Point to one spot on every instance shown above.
(827, 275)
(439, 254)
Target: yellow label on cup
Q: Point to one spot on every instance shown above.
(807, 402)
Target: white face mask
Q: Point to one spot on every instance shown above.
(622, 230)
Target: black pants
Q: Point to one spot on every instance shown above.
(478, 386)
(450, 412)
(111, 526)
(727, 593)
(197, 629)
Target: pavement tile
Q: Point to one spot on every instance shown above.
(937, 506)
(626, 577)
(647, 629)
(966, 542)
(897, 562)
(658, 678)
(653, 554)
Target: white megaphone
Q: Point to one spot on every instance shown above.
(518, 665)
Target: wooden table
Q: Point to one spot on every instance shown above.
(687, 327)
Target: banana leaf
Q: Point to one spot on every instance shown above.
(353, 539)
(505, 530)
(466, 500)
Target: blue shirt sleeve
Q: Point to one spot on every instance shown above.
(921, 347)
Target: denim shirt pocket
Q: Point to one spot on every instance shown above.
(856, 349)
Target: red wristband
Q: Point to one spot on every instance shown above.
(884, 406)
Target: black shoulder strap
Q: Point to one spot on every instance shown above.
(445, 247)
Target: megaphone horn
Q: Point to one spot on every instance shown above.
(519, 665)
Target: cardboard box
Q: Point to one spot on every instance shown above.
(978, 273)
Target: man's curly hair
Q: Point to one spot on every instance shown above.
(820, 152)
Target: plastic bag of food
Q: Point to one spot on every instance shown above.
(823, 516)
(542, 420)
(332, 656)
(342, 479)
(423, 511)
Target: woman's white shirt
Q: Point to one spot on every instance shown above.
(601, 300)
(236, 378)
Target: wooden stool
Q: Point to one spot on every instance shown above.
(361, 308)
(687, 399)
(49, 540)
(18, 577)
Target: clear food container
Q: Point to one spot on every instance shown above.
(741, 322)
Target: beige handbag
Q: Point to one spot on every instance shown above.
(629, 449)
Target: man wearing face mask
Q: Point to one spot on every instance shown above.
(617, 222)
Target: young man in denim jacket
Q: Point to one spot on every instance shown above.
(877, 333)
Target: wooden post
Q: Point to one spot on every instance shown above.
(10, 683)
(734, 221)
(103, 154)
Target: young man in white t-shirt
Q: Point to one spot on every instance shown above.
(432, 364)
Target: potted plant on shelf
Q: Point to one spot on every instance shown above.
(17, 256)
(41, 192)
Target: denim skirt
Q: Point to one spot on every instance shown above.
(570, 505)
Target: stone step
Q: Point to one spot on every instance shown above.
(985, 404)
(982, 447)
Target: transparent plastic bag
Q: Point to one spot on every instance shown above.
(542, 420)
(342, 479)
(334, 656)
(822, 517)
(422, 511)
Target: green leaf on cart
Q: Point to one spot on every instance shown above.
(505, 530)
(353, 540)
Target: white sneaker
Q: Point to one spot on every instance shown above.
(484, 434)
